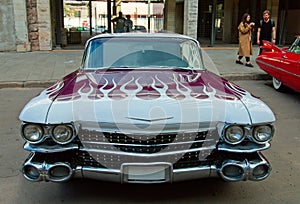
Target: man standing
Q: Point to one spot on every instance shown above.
(128, 24)
(266, 29)
(119, 23)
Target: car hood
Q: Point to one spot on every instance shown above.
(141, 98)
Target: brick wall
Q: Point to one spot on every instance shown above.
(33, 28)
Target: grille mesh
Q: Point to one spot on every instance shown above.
(142, 143)
(111, 150)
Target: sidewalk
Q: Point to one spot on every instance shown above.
(41, 69)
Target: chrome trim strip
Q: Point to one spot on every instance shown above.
(148, 155)
(49, 149)
(177, 174)
(250, 149)
(141, 145)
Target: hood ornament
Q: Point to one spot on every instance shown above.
(150, 120)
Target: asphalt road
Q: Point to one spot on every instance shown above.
(282, 186)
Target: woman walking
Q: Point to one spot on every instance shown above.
(245, 42)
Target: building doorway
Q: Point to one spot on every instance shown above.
(205, 18)
(74, 22)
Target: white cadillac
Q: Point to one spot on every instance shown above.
(142, 108)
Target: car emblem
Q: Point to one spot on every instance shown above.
(150, 120)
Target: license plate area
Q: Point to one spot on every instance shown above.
(146, 173)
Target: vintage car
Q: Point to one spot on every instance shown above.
(143, 109)
(282, 64)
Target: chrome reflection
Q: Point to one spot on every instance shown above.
(255, 170)
(57, 172)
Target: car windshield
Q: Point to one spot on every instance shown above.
(128, 52)
(295, 47)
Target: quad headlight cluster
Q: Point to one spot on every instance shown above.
(235, 134)
(36, 133)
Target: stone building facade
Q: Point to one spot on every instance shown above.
(28, 24)
(33, 25)
(25, 25)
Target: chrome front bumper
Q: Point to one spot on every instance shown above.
(159, 172)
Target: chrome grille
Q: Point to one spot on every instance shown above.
(148, 144)
(111, 150)
(114, 161)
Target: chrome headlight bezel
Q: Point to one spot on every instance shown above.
(60, 130)
(39, 132)
(262, 139)
(47, 131)
(234, 134)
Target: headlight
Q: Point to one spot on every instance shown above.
(234, 134)
(62, 134)
(262, 134)
(32, 133)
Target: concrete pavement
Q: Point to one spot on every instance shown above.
(41, 69)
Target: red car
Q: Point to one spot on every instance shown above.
(282, 64)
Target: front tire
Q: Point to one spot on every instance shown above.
(278, 86)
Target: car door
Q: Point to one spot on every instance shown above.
(291, 66)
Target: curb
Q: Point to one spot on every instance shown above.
(46, 84)
(235, 77)
(26, 84)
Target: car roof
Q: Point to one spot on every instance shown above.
(146, 35)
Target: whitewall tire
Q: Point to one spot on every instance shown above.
(278, 86)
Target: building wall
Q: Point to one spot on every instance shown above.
(7, 26)
(39, 24)
(26, 25)
(231, 20)
(272, 5)
(21, 35)
(44, 24)
(33, 27)
(190, 18)
(293, 25)
(179, 17)
(170, 15)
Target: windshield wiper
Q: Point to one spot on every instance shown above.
(112, 67)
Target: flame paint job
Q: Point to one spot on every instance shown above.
(149, 95)
(144, 84)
